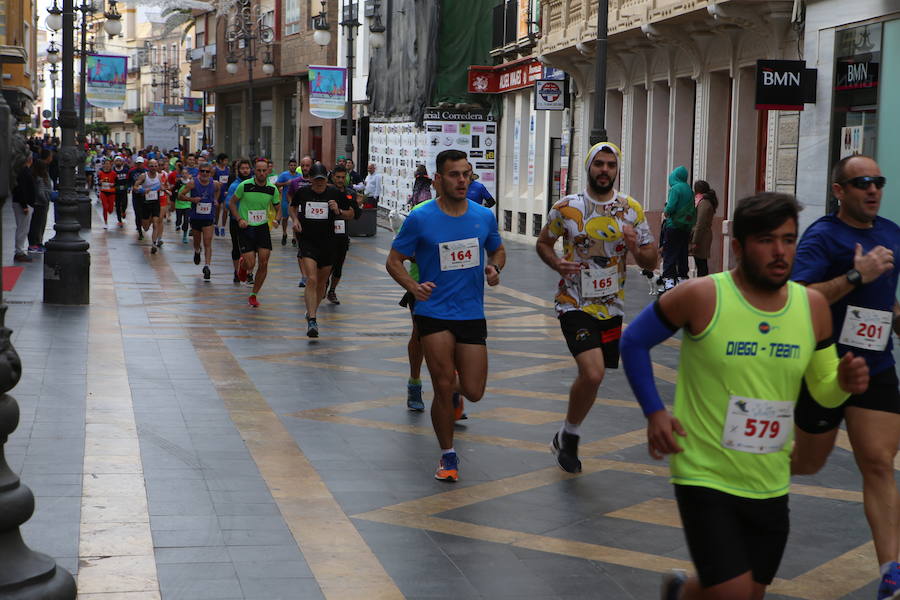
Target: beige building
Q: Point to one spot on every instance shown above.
(680, 91)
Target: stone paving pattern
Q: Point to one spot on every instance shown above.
(271, 466)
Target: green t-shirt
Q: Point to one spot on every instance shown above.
(254, 201)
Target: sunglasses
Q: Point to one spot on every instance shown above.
(863, 183)
(205, 171)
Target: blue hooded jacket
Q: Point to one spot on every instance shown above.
(680, 208)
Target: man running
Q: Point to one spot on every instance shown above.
(137, 195)
(244, 172)
(221, 174)
(449, 238)
(850, 258)
(283, 184)
(203, 194)
(150, 185)
(341, 237)
(121, 171)
(249, 207)
(106, 178)
(599, 227)
(315, 210)
(750, 338)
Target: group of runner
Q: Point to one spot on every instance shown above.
(800, 321)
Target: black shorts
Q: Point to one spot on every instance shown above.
(471, 331)
(408, 301)
(321, 251)
(150, 210)
(584, 332)
(728, 535)
(254, 237)
(882, 394)
(199, 225)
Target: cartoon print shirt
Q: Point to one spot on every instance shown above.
(592, 236)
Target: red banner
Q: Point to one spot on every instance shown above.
(504, 78)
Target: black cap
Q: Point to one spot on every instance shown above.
(317, 171)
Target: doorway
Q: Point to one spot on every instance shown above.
(553, 182)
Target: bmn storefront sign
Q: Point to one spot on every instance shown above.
(784, 84)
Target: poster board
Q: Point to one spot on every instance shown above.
(161, 132)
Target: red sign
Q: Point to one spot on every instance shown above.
(46, 123)
(504, 78)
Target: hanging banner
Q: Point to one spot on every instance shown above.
(327, 91)
(161, 132)
(106, 79)
(192, 111)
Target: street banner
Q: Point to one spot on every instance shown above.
(161, 132)
(192, 111)
(327, 91)
(106, 79)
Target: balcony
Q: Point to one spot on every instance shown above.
(509, 39)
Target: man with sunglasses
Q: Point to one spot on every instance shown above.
(203, 194)
(849, 257)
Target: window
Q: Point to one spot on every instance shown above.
(200, 31)
(27, 37)
(3, 23)
(128, 139)
(507, 220)
(522, 221)
(291, 16)
(536, 224)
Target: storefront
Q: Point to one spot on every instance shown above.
(859, 78)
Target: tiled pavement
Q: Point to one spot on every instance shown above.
(184, 446)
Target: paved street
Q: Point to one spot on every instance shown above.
(184, 446)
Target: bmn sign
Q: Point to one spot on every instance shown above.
(784, 84)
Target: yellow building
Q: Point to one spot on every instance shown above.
(19, 51)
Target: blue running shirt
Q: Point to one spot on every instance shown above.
(204, 209)
(826, 251)
(450, 252)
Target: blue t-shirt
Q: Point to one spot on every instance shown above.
(826, 251)
(459, 292)
(284, 177)
(237, 181)
(478, 193)
(204, 210)
(218, 175)
(194, 171)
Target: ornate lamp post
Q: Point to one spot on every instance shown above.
(350, 23)
(53, 58)
(247, 26)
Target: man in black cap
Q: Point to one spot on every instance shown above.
(314, 210)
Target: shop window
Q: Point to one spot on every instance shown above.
(507, 220)
(536, 224)
(522, 223)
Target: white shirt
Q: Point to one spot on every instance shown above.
(373, 185)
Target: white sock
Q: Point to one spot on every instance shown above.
(448, 451)
(570, 429)
(885, 568)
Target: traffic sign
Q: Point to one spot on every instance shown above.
(54, 123)
(46, 113)
(46, 123)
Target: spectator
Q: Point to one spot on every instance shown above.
(372, 191)
(706, 202)
(43, 193)
(23, 200)
(478, 193)
(680, 214)
(421, 187)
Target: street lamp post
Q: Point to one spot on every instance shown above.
(248, 27)
(84, 200)
(53, 58)
(598, 130)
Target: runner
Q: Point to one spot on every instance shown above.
(283, 183)
(177, 178)
(750, 338)
(203, 194)
(341, 237)
(106, 177)
(254, 196)
(190, 165)
(850, 257)
(244, 172)
(315, 210)
(151, 184)
(222, 175)
(137, 195)
(448, 239)
(121, 170)
(599, 227)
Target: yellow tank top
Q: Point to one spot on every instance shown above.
(738, 381)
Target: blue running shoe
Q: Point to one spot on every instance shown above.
(890, 584)
(448, 468)
(672, 583)
(414, 397)
(302, 282)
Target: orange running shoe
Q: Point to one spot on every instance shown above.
(458, 410)
(448, 468)
(252, 301)
(241, 272)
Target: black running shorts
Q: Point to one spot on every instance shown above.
(199, 225)
(150, 210)
(471, 331)
(255, 237)
(882, 394)
(321, 251)
(728, 535)
(584, 332)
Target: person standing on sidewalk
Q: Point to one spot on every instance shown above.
(43, 193)
(706, 203)
(372, 191)
(23, 200)
(680, 215)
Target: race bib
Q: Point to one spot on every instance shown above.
(204, 208)
(340, 226)
(460, 254)
(151, 195)
(599, 282)
(866, 328)
(106, 186)
(257, 217)
(316, 210)
(223, 178)
(757, 426)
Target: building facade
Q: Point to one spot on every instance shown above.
(18, 25)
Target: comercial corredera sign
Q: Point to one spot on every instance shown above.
(784, 84)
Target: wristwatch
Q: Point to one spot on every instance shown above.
(854, 277)
(496, 266)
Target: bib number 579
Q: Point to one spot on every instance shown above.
(761, 428)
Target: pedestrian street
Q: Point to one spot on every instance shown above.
(181, 445)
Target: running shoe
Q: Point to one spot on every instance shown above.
(206, 272)
(294, 242)
(284, 239)
(32, 249)
(448, 468)
(235, 280)
(567, 452)
(312, 328)
(414, 397)
(196, 258)
(672, 582)
(140, 236)
(332, 297)
(302, 282)
(153, 249)
(252, 301)
(890, 583)
(459, 412)
(121, 224)
(159, 243)
(249, 277)
(40, 250)
(184, 238)
(241, 272)
(105, 226)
